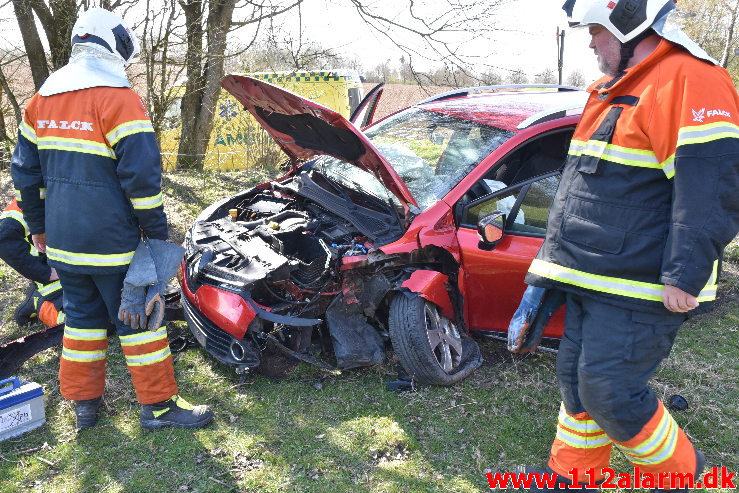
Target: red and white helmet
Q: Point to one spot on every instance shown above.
(625, 19)
(104, 28)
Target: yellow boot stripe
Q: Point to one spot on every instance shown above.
(156, 414)
(182, 403)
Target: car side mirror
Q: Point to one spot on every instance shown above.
(490, 230)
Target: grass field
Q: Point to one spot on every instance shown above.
(316, 431)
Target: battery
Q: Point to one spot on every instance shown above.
(21, 407)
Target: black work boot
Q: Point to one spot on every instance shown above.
(700, 463)
(175, 412)
(25, 313)
(87, 412)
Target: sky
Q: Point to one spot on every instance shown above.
(526, 40)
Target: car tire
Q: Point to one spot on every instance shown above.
(414, 323)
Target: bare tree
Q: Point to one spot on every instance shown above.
(576, 79)
(56, 17)
(517, 76)
(7, 132)
(548, 76)
(32, 41)
(424, 28)
(210, 21)
(491, 78)
(9, 94)
(713, 24)
(163, 56)
(294, 52)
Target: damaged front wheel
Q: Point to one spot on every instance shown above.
(429, 346)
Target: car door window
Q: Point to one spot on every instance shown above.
(522, 185)
(533, 212)
(526, 205)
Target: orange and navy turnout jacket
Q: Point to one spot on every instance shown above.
(95, 153)
(648, 195)
(16, 248)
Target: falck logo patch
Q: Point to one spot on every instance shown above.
(701, 114)
(64, 125)
(611, 5)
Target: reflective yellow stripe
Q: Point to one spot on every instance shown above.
(28, 132)
(700, 134)
(75, 145)
(651, 443)
(73, 258)
(579, 441)
(18, 217)
(615, 153)
(61, 317)
(83, 356)
(668, 166)
(128, 128)
(85, 334)
(41, 194)
(156, 414)
(148, 358)
(182, 403)
(47, 289)
(663, 454)
(144, 337)
(612, 285)
(708, 293)
(658, 447)
(581, 425)
(147, 202)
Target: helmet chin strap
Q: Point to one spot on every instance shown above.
(627, 49)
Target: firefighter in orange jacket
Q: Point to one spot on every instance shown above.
(646, 203)
(43, 299)
(87, 139)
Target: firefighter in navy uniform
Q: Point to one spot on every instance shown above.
(646, 204)
(87, 139)
(43, 299)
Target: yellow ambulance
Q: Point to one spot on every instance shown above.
(237, 140)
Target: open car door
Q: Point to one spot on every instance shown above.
(364, 114)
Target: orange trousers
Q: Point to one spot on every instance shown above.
(91, 303)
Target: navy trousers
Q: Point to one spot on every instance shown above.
(606, 358)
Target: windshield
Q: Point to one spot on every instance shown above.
(432, 152)
(355, 179)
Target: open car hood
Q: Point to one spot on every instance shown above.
(304, 130)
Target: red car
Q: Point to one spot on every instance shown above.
(371, 240)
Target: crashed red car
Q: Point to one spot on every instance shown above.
(371, 241)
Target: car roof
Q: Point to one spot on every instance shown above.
(509, 107)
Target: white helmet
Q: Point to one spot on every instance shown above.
(625, 19)
(104, 28)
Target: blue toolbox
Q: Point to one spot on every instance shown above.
(21, 407)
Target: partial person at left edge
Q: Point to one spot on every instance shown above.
(87, 139)
(43, 298)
